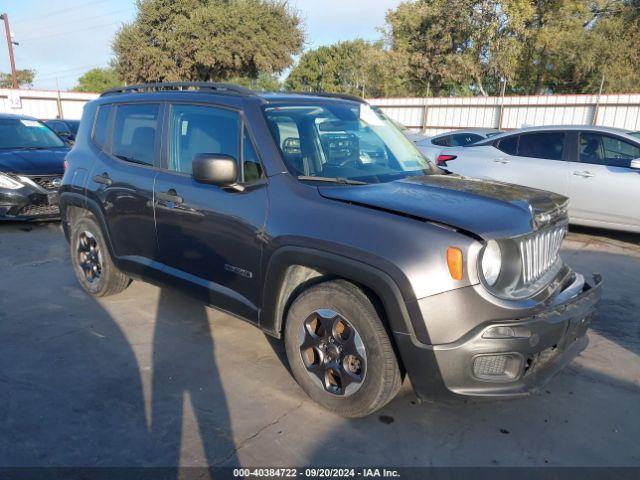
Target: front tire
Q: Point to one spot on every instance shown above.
(339, 350)
(92, 262)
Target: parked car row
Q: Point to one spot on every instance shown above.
(433, 147)
(597, 168)
(31, 168)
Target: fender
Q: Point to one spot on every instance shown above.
(78, 200)
(403, 315)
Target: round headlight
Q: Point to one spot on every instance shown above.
(491, 262)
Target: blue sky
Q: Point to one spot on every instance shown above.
(63, 39)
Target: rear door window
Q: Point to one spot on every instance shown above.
(546, 145)
(599, 149)
(134, 134)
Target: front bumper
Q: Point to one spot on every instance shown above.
(28, 203)
(511, 365)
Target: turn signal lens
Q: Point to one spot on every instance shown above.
(454, 261)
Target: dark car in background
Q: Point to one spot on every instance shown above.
(31, 168)
(67, 129)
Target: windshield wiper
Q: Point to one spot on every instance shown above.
(342, 181)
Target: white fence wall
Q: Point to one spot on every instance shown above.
(44, 103)
(437, 115)
(430, 115)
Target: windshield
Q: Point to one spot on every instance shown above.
(16, 133)
(635, 134)
(343, 141)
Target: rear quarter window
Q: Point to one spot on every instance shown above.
(442, 141)
(101, 125)
(508, 145)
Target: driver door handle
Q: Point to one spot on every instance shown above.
(503, 161)
(583, 174)
(170, 196)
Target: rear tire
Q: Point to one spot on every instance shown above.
(92, 262)
(339, 350)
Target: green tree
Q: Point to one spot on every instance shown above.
(264, 82)
(98, 80)
(609, 50)
(463, 47)
(573, 44)
(25, 78)
(459, 46)
(355, 67)
(173, 40)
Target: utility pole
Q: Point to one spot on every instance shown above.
(7, 30)
(597, 107)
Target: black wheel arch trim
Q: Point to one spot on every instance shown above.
(403, 314)
(72, 199)
(415, 354)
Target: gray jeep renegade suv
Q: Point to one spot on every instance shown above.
(315, 219)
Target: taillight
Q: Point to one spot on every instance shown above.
(443, 159)
(65, 164)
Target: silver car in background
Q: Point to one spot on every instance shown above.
(597, 168)
(433, 147)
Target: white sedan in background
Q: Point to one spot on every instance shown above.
(432, 147)
(597, 168)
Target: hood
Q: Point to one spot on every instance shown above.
(33, 162)
(486, 208)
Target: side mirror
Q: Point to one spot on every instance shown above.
(635, 164)
(215, 169)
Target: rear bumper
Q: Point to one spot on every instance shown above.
(527, 354)
(27, 203)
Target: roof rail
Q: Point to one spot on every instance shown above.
(180, 86)
(342, 96)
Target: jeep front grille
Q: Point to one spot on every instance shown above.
(539, 252)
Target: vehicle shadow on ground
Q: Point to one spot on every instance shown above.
(185, 375)
(71, 391)
(633, 239)
(71, 385)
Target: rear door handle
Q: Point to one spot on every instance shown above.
(583, 174)
(170, 196)
(503, 161)
(103, 179)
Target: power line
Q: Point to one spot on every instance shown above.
(69, 72)
(56, 26)
(52, 13)
(69, 32)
